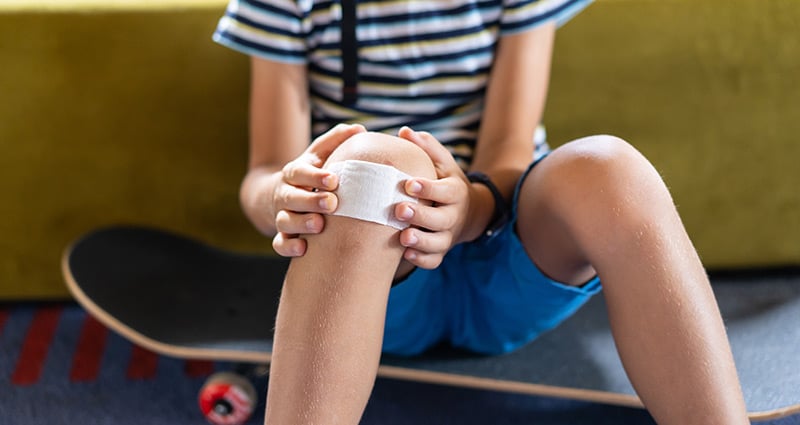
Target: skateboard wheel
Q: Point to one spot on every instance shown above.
(227, 399)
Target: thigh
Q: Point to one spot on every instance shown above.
(580, 199)
(545, 235)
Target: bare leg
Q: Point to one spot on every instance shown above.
(330, 321)
(597, 204)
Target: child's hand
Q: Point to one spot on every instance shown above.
(304, 193)
(436, 228)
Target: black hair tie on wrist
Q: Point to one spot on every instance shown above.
(501, 214)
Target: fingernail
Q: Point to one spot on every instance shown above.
(406, 213)
(412, 239)
(324, 203)
(310, 224)
(414, 187)
(409, 129)
(411, 255)
(328, 182)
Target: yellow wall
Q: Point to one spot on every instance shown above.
(130, 114)
(709, 90)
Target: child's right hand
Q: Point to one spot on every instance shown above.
(304, 192)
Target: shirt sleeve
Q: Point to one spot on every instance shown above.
(522, 15)
(271, 29)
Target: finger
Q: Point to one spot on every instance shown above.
(432, 218)
(426, 242)
(303, 174)
(305, 201)
(442, 158)
(286, 245)
(322, 147)
(423, 260)
(294, 223)
(444, 191)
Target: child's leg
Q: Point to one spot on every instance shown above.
(330, 321)
(597, 205)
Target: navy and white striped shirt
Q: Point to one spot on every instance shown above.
(422, 63)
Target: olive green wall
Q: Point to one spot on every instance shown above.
(132, 115)
(115, 117)
(709, 90)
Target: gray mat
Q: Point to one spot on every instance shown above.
(762, 321)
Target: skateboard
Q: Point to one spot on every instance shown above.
(183, 298)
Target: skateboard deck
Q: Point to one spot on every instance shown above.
(186, 299)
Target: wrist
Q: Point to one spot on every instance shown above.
(492, 210)
(481, 207)
(256, 198)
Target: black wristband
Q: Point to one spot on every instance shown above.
(501, 213)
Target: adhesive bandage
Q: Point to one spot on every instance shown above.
(369, 191)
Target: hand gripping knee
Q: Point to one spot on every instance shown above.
(369, 191)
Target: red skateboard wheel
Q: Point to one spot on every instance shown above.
(227, 399)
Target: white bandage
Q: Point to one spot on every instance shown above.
(369, 191)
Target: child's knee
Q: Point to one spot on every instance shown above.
(371, 167)
(387, 150)
(600, 188)
(372, 170)
(602, 171)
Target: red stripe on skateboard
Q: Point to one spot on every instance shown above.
(198, 368)
(89, 353)
(36, 345)
(3, 318)
(143, 364)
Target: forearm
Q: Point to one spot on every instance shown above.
(515, 102)
(279, 132)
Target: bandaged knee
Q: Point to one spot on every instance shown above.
(369, 191)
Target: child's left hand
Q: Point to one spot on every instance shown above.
(435, 228)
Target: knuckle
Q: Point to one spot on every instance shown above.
(448, 221)
(288, 170)
(280, 221)
(448, 241)
(452, 224)
(285, 198)
(283, 221)
(453, 191)
(277, 244)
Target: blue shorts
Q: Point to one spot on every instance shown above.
(487, 296)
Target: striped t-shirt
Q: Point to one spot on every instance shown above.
(421, 63)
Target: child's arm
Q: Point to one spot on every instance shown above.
(514, 104)
(279, 132)
(276, 194)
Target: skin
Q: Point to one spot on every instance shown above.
(593, 206)
(329, 326)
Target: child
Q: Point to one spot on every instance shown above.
(489, 259)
